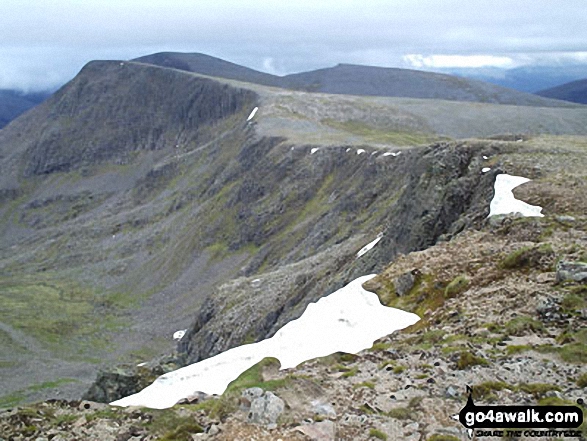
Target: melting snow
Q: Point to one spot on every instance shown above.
(252, 114)
(485, 169)
(368, 246)
(314, 150)
(504, 201)
(348, 320)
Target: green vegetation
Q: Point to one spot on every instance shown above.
(572, 302)
(367, 384)
(522, 325)
(57, 313)
(51, 384)
(526, 256)
(218, 408)
(467, 359)
(400, 413)
(516, 349)
(375, 433)
(172, 427)
(375, 135)
(351, 372)
(573, 347)
(442, 437)
(380, 347)
(18, 397)
(582, 380)
(426, 294)
(537, 390)
(484, 391)
(253, 377)
(399, 369)
(12, 399)
(456, 286)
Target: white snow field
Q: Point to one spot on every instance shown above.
(348, 320)
(504, 201)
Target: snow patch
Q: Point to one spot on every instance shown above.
(368, 246)
(348, 150)
(391, 153)
(504, 201)
(360, 151)
(485, 157)
(314, 150)
(348, 320)
(252, 114)
(178, 335)
(485, 169)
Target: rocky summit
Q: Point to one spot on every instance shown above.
(144, 198)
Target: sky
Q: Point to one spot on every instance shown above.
(44, 43)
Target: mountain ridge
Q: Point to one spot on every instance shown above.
(351, 79)
(139, 200)
(575, 91)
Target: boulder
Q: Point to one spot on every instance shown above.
(266, 409)
(322, 431)
(405, 282)
(571, 271)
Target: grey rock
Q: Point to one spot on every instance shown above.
(322, 431)
(566, 219)
(266, 409)
(452, 392)
(323, 409)
(405, 282)
(252, 393)
(214, 430)
(412, 427)
(549, 310)
(571, 271)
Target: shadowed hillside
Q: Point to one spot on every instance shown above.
(575, 91)
(13, 104)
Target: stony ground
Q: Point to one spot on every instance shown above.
(495, 318)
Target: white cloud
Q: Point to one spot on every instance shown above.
(443, 61)
(285, 37)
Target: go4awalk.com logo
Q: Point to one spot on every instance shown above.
(517, 421)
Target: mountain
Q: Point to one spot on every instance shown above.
(348, 79)
(525, 78)
(138, 200)
(575, 91)
(14, 103)
(378, 81)
(207, 65)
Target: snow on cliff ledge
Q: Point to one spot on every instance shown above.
(348, 320)
(504, 201)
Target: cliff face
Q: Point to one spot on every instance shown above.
(112, 109)
(411, 200)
